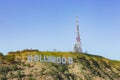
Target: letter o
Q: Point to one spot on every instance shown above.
(63, 60)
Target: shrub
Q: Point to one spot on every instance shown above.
(14, 67)
(28, 65)
(31, 78)
(19, 74)
(61, 68)
(10, 58)
(3, 78)
(1, 54)
(4, 70)
(11, 75)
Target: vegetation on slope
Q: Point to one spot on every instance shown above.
(15, 66)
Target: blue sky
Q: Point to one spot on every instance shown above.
(50, 24)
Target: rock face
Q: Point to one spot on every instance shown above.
(84, 67)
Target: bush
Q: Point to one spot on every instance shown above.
(3, 78)
(4, 70)
(14, 67)
(10, 58)
(11, 75)
(19, 74)
(1, 54)
(31, 78)
(28, 65)
(61, 68)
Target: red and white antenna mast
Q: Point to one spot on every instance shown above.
(77, 47)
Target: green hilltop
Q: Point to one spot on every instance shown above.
(14, 66)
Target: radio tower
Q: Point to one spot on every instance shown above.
(77, 46)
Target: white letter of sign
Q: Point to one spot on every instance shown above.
(58, 59)
(45, 58)
(63, 60)
(36, 58)
(40, 58)
(29, 58)
(70, 60)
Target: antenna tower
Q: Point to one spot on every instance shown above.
(77, 46)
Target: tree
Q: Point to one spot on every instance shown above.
(1, 54)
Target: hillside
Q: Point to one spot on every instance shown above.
(15, 66)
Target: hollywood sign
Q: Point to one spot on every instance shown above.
(53, 59)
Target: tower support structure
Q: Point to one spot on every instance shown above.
(77, 46)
